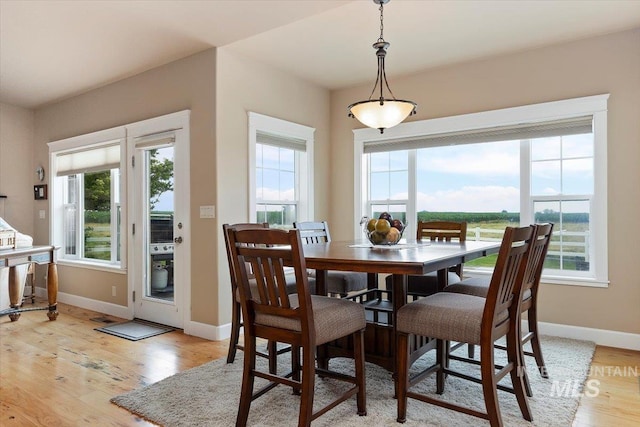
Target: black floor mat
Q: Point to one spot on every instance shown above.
(135, 329)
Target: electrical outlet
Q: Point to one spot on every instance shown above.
(207, 211)
(113, 291)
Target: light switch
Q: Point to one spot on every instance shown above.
(207, 211)
(42, 214)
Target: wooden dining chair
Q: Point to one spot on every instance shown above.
(479, 286)
(447, 316)
(303, 320)
(441, 231)
(236, 311)
(338, 282)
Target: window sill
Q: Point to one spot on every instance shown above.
(92, 266)
(552, 280)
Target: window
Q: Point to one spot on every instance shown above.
(86, 202)
(537, 163)
(281, 171)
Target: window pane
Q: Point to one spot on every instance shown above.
(575, 235)
(545, 148)
(70, 229)
(97, 215)
(287, 186)
(270, 157)
(577, 146)
(270, 184)
(398, 185)
(577, 176)
(399, 160)
(379, 162)
(379, 186)
(545, 178)
(287, 159)
(259, 184)
(469, 178)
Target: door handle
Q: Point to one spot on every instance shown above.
(178, 239)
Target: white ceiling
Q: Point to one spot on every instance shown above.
(53, 49)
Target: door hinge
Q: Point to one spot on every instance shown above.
(134, 296)
(133, 229)
(133, 161)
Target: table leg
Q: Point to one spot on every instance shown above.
(443, 279)
(52, 290)
(14, 292)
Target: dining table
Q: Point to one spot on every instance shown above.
(408, 257)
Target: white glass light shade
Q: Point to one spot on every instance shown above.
(389, 114)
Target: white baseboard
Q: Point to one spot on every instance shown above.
(90, 304)
(217, 333)
(209, 332)
(599, 336)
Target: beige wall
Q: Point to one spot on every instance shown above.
(185, 84)
(608, 64)
(243, 86)
(17, 168)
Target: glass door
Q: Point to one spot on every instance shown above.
(158, 284)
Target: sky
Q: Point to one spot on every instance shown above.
(463, 178)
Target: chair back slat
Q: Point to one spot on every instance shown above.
(269, 252)
(230, 258)
(313, 231)
(537, 255)
(505, 288)
(443, 231)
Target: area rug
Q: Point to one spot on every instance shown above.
(135, 329)
(208, 395)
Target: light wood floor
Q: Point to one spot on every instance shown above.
(63, 373)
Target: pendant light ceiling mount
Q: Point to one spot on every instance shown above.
(381, 113)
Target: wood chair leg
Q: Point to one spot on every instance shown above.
(490, 385)
(532, 317)
(308, 383)
(518, 374)
(235, 332)
(471, 351)
(358, 358)
(402, 376)
(442, 357)
(272, 350)
(296, 367)
(246, 392)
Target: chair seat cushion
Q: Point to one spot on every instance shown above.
(333, 318)
(445, 315)
(426, 284)
(477, 286)
(343, 282)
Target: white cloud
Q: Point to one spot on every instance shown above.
(471, 199)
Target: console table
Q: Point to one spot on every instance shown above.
(40, 255)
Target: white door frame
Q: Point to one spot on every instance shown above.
(177, 123)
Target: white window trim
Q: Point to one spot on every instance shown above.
(304, 178)
(591, 105)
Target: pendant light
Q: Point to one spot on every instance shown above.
(381, 113)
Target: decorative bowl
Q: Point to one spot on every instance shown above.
(386, 235)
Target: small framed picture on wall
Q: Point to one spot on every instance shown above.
(40, 192)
